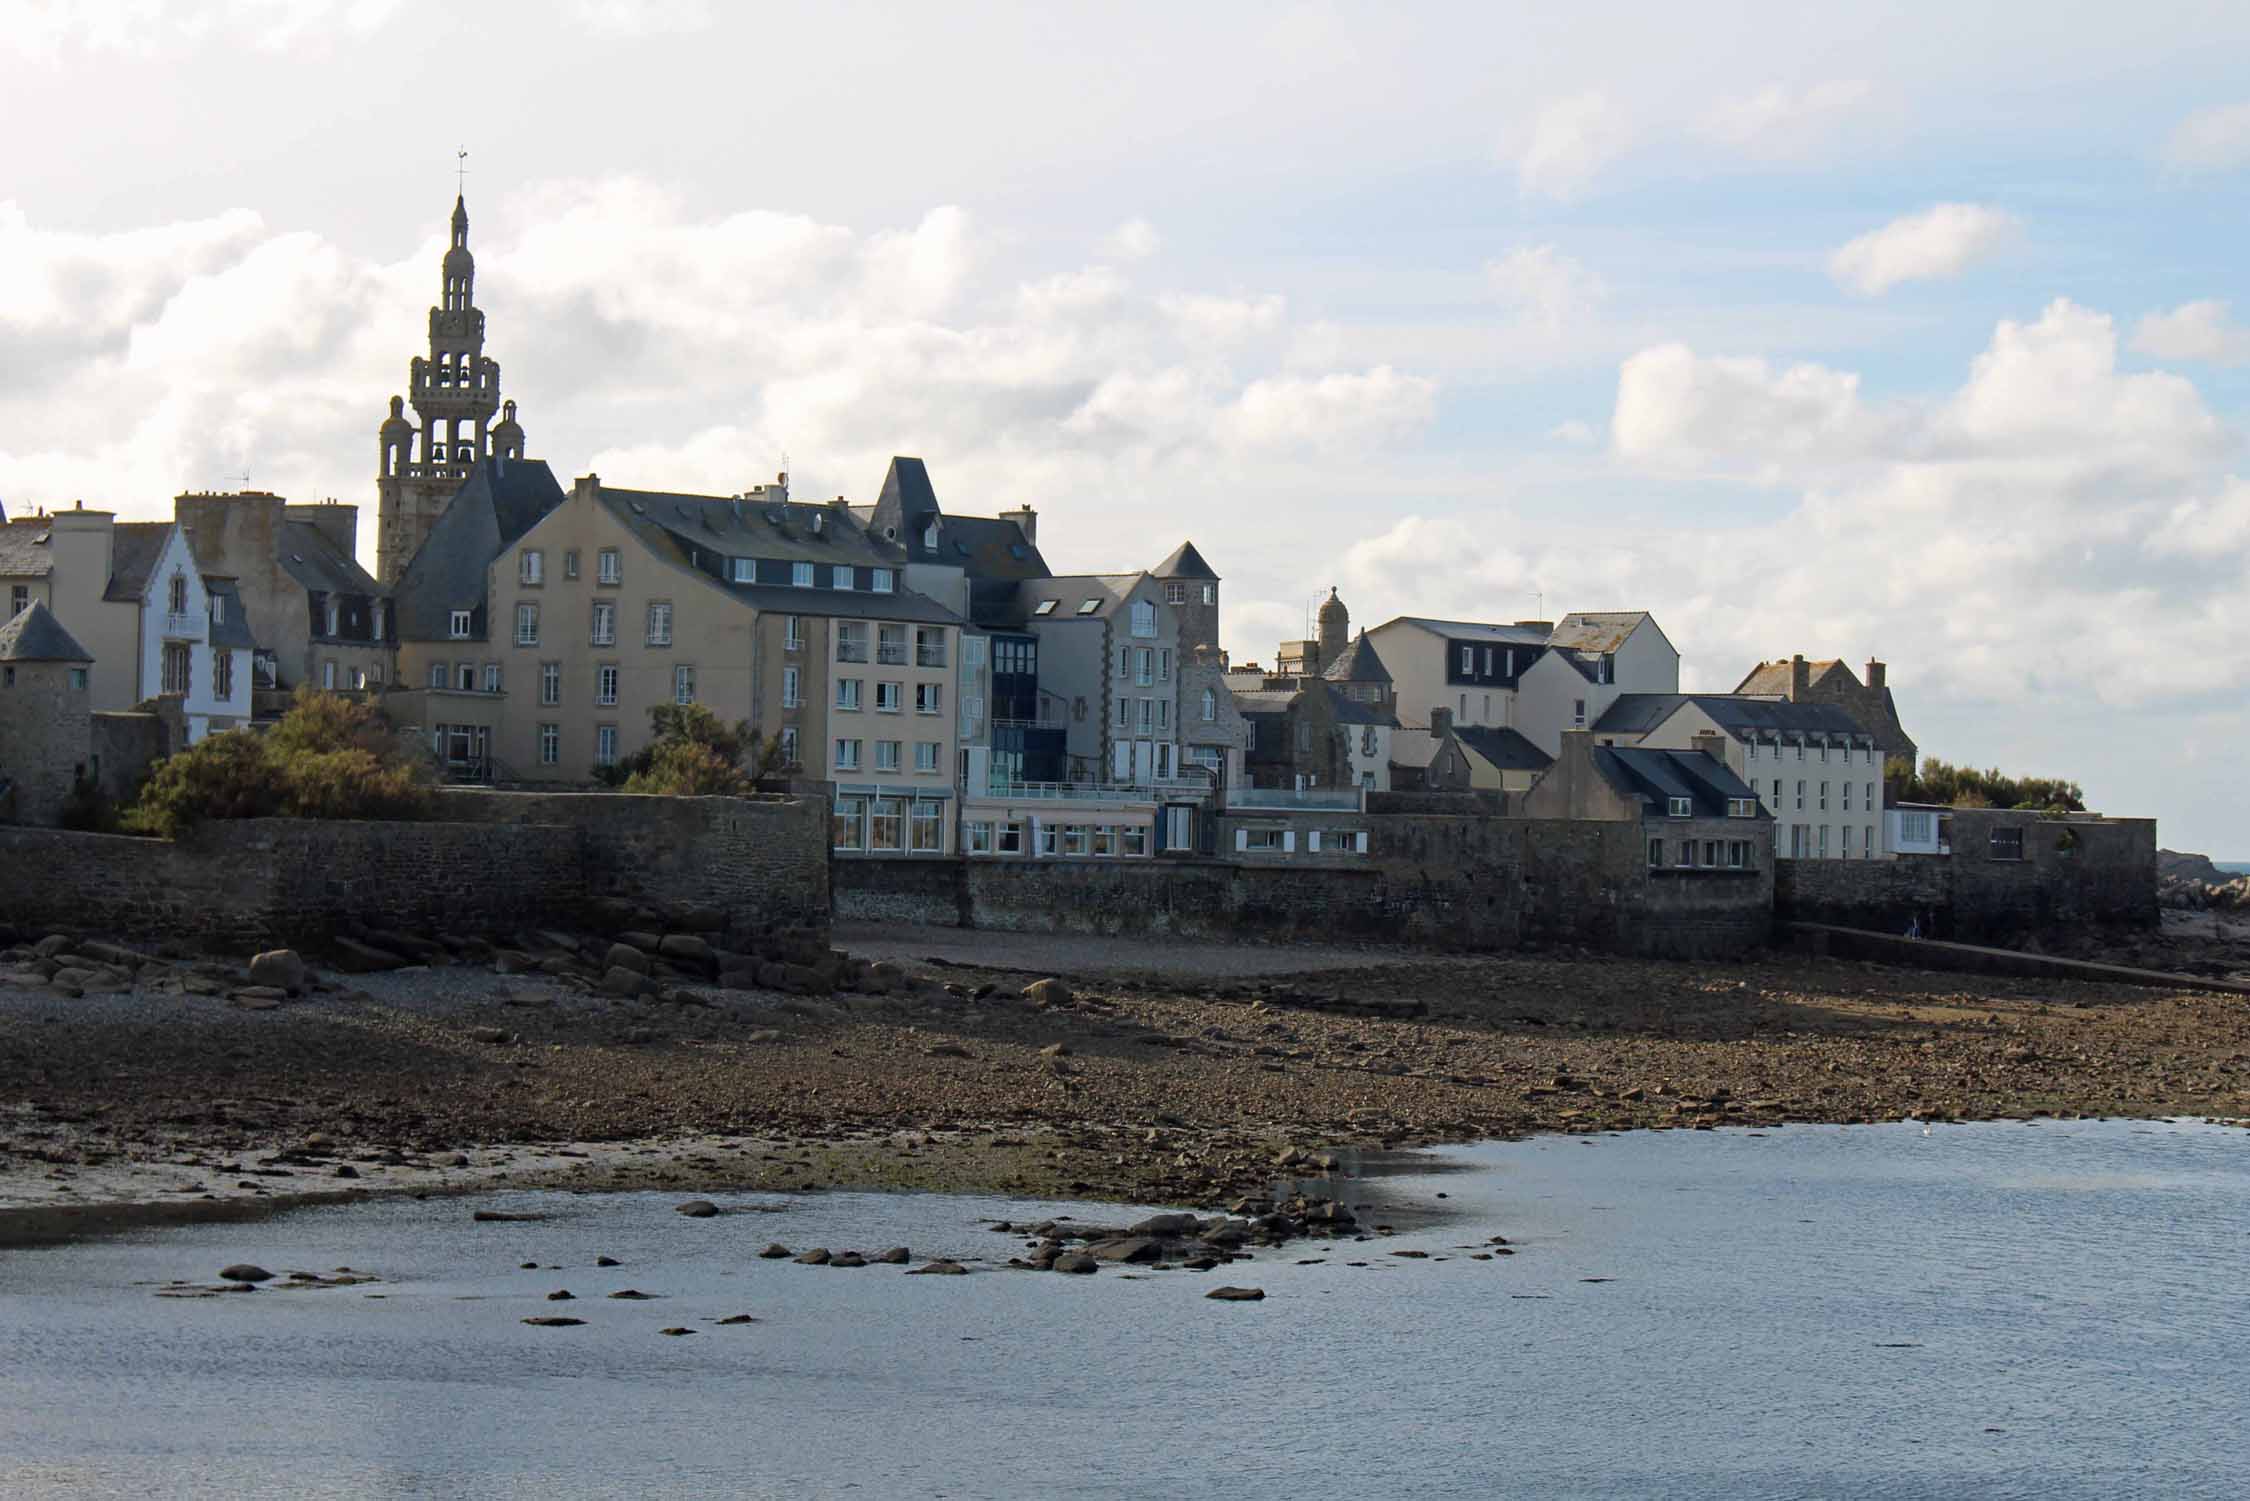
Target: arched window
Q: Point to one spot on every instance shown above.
(179, 594)
(1210, 704)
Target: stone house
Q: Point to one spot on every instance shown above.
(1869, 702)
(46, 716)
(133, 595)
(1695, 814)
(1481, 758)
(1816, 771)
(317, 617)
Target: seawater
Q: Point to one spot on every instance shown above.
(2046, 1310)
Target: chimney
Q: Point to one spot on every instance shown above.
(1026, 520)
(1800, 677)
(1711, 743)
(1441, 721)
(338, 522)
(1543, 627)
(1874, 673)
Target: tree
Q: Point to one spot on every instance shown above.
(326, 758)
(693, 753)
(1947, 785)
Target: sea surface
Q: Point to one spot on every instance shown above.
(2037, 1310)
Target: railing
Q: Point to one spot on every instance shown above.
(929, 656)
(888, 655)
(1337, 799)
(1149, 790)
(1031, 724)
(183, 625)
(846, 652)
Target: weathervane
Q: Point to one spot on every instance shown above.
(460, 172)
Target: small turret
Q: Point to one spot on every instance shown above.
(1335, 626)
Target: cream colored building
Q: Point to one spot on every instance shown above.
(1536, 677)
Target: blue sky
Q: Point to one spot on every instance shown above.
(1912, 331)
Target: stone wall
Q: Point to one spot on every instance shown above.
(43, 739)
(2072, 872)
(1446, 882)
(127, 744)
(762, 861)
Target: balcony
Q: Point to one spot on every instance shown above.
(186, 627)
(1031, 724)
(926, 655)
(851, 651)
(1309, 799)
(888, 655)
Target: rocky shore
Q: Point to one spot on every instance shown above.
(145, 1085)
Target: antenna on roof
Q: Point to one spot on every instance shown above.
(461, 172)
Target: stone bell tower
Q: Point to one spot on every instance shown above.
(455, 392)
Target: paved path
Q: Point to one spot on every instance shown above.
(1068, 953)
(1932, 953)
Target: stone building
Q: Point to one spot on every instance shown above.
(455, 393)
(1695, 814)
(317, 617)
(46, 716)
(1537, 677)
(1831, 682)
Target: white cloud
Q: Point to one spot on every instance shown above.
(1134, 240)
(1546, 290)
(1779, 123)
(631, 19)
(2193, 331)
(48, 31)
(2210, 140)
(1676, 408)
(1573, 431)
(1939, 243)
(1570, 142)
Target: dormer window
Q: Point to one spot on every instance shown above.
(336, 613)
(882, 581)
(746, 570)
(1683, 807)
(840, 576)
(801, 575)
(929, 536)
(458, 626)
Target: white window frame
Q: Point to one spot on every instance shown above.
(531, 567)
(887, 754)
(746, 570)
(840, 577)
(660, 622)
(926, 756)
(460, 623)
(683, 683)
(800, 575)
(847, 754)
(527, 624)
(888, 696)
(790, 681)
(605, 685)
(929, 698)
(881, 581)
(605, 745)
(847, 693)
(609, 566)
(550, 745)
(602, 630)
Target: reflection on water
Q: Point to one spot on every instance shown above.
(1995, 1310)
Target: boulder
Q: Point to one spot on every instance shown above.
(625, 956)
(688, 948)
(280, 971)
(775, 1252)
(697, 1209)
(1077, 1263)
(817, 1256)
(1237, 1294)
(243, 1271)
(356, 958)
(1048, 992)
(1140, 1249)
(624, 982)
(895, 1256)
(1167, 1224)
(646, 942)
(552, 1321)
(494, 1036)
(51, 945)
(258, 998)
(847, 1258)
(940, 1269)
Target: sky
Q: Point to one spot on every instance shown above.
(1906, 331)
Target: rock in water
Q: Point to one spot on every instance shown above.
(1077, 1263)
(697, 1209)
(895, 1256)
(817, 1256)
(940, 1269)
(243, 1271)
(560, 1295)
(675, 1330)
(738, 1318)
(633, 1295)
(776, 1251)
(1237, 1294)
(847, 1258)
(552, 1321)
(607, 1261)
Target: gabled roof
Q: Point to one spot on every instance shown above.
(1184, 563)
(1657, 776)
(319, 565)
(1264, 700)
(134, 547)
(1357, 663)
(1639, 713)
(984, 547)
(230, 627)
(907, 489)
(37, 636)
(1352, 711)
(499, 501)
(1505, 749)
(1773, 677)
(1472, 630)
(1596, 630)
(24, 552)
(1070, 592)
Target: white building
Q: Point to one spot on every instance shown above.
(1535, 677)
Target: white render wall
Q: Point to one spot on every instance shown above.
(201, 705)
(1822, 781)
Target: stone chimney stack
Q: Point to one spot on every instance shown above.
(338, 522)
(1441, 721)
(1026, 520)
(1874, 673)
(1800, 677)
(1711, 743)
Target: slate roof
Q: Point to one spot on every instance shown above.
(1184, 563)
(23, 548)
(231, 626)
(1472, 630)
(1357, 663)
(986, 547)
(1265, 700)
(309, 557)
(1596, 630)
(688, 530)
(1639, 713)
(499, 501)
(1506, 749)
(1069, 592)
(1657, 776)
(37, 636)
(134, 547)
(1773, 677)
(1352, 711)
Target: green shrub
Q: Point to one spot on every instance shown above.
(326, 758)
(693, 753)
(1953, 786)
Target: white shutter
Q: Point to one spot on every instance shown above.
(1242, 839)
(1312, 842)
(1359, 842)
(1289, 842)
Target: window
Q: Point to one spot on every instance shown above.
(847, 693)
(926, 834)
(1656, 852)
(1742, 807)
(605, 683)
(177, 595)
(1800, 792)
(851, 640)
(1824, 797)
(1738, 854)
(605, 745)
(890, 645)
(1088, 606)
(1824, 751)
(1777, 794)
(1175, 594)
(1148, 715)
(659, 623)
(1044, 607)
(1132, 839)
(1011, 839)
(1750, 750)
(1164, 721)
(527, 625)
(609, 566)
(1074, 841)
(883, 825)
(1824, 841)
(1847, 797)
(789, 746)
(847, 755)
(929, 646)
(1124, 713)
(886, 755)
(976, 837)
(1144, 666)
(2007, 844)
(793, 634)
(437, 674)
(925, 756)
(1687, 854)
(550, 744)
(1164, 664)
(1682, 807)
(492, 677)
(570, 563)
(1264, 839)
(327, 674)
(1049, 839)
(683, 685)
(1800, 750)
(1577, 713)
(881, 581)
(458, 625)
(1105, 841)
(887, 698)
(19, 600)
(745, 570)
(550, 682)
(844, 822)
(530, 566)
(1869, 805)
(222, 675)
(359, 674)
(218, 609)
(789, 699)
(1468, 660)
(1210, 594)
(1144, 618)
(840, 576)
(929, 698)
(605, 623)
(1847, 839)
(1210, 705)
(800, 575)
